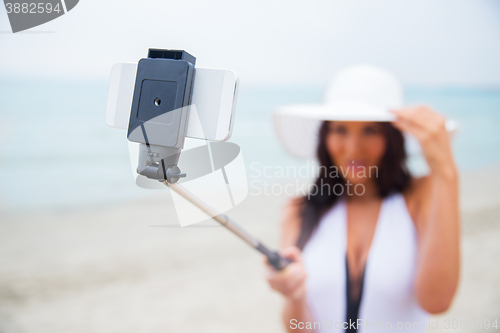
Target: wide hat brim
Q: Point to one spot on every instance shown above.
(297, 126)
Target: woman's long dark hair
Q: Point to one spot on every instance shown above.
(393, 176)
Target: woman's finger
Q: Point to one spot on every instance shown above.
(408, 115)
(287, 277)
(420, 116)
(283, 274)
(405, 126)
(292, 253)
(295, 281)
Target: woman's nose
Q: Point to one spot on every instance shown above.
(353, 145)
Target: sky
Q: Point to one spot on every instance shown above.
(273, 42)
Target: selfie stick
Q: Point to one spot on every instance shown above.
(158, 122)
(273, 257)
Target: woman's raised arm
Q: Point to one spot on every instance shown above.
(437, 221)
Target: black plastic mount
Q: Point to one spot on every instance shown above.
(171, 54)
(162, 92)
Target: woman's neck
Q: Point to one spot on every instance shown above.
(370, 193)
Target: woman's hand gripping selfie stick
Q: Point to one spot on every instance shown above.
(273, 257)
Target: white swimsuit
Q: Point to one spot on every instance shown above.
(388, 300)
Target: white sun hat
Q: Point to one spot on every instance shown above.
(356, 93)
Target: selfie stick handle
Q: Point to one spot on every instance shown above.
(273, 257)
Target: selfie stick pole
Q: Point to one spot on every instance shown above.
(273, 257)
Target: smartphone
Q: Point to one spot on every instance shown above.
(213, 101)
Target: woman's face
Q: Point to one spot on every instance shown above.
(356, 149)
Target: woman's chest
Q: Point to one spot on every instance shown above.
(387, 245)
(362, 220)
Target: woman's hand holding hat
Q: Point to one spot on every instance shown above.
(430, 130)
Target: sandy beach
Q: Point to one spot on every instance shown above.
(129, 267)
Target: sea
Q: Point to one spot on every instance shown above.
(57, 153)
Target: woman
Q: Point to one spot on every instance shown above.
(385, 254)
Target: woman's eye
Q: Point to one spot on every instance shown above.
(339, 130)
(371, 130)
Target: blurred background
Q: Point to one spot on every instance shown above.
(82, 248)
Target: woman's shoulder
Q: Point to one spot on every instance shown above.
(291, 221)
